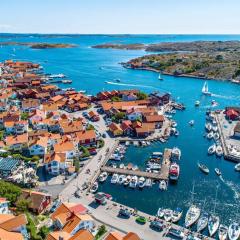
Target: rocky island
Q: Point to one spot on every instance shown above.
(130, 46)
(39, 45)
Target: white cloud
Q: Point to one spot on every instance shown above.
(4, 27)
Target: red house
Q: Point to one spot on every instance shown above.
(86, 137)
(232, 114)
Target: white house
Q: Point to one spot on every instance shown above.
(4, 206)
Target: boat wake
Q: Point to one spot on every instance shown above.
(225, 97)
(129, 85)
(235, 188)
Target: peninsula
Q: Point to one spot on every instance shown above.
(39, 45)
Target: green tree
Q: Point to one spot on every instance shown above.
(142, 96)
(35, 158)
(24, 116)
(9, 191)
(116, 99)
(90, 127)
(43, 232)
(119, 116)
(22, 205)
(85, 152)
(31, 228)
(1, 135)
(101, 231)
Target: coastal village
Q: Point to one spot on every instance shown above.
(55, 136)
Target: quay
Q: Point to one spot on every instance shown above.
(155, 176)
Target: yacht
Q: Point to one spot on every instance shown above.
(202, 222)
(219, 150)
(192, 215)
(222, 232)
(203, 168)
(148, 182)
(103, 177)
(114, 178)
(121, 179)
(208, 127)
(127, 180)
(213, 224)
(176, 215)
(210, 135)
(217, 171)
(94, 187)
(141, 182)
(176, 153)
(237, 167)
(134, 181)
(212, 149)
(234, 231)
(160, 213)
(197, 103)
(215, 128)
(216, 136)
(174, 124)
(174, 172)
(163, 185)
(205, 90)
(168, 215)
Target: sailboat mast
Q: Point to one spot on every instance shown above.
(215, 200)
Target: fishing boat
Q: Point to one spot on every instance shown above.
(219, 150)
(203, 168)
(202, 222)
(102, 177)
(141, 182)
(192, 215)
(134, 181)
(237, 167)
(217, 171)
(212, 149)
(121, 179)
(208, 127)
(210, 135)
(163, 185)
(160, 213)
(174, 172)
(160, 77)
(205, 90)
(176, 233)
(197, 103)
(234, 231)
(148, 182)
(94, 187)
(213, 224)
(222, 232)
(168, 215)
(114, 179)
(191, 123)
(127, 180)
(176, 215)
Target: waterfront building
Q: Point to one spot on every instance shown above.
(4, 206)
(237, 130)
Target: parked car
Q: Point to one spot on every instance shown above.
(55, 205)
(124, 213)
(156, 225)
(104, 135)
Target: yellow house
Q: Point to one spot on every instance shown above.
(115, 129)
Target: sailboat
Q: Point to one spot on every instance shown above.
(214, 221)
(160, 77)
(203, 220)
(205, 89)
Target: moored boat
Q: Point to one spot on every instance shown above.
(219, 150)
(237, 167)
(102, 177)
(222, 232)
(163, 185)
(141, 182)
(208, 127)
(210, 135)
(212, 149)
(176, 215)
(121, 179)
(168, 215)
(94, 187)
(160, 212)
(127, 180)
(174, 172)
(213, 224)
(134, 181)
(234, 231)
(114, 178)
(148, 182)
(192, 215)
(176, 154)
(202, 222)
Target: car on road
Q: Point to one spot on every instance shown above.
(77, 194)
(104, 135)
(55, 205)
(124, 213)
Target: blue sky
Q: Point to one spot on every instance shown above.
(120, 16)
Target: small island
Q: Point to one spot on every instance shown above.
(39, 45)
(131, 46)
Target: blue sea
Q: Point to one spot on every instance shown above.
(89, 68)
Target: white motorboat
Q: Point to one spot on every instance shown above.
(160, 213)
(202, 222)
(154, 166)
(191, 123)
(134, 181)
(222, 232)
(192, 215)
(205, 90)
(94, 187)
(168, 215)
(174, 172)
(174, 124)
(234, 231)
(216, 136)
(176, 154)
(219, 150)
(160, 77)
(203, 168)
(208, 127)
(213, 224)
(121, 179)
(197, 103)
(210, 135)
(163, 185)
(141, 182)
(212, 149)
(121, 166)
(103, 177)
(217, 171)
(176, 215)
(215, 128)
(127, 180)
(114, 179)
(237, 167)
(148, 182)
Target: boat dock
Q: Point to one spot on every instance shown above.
(166, 163)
